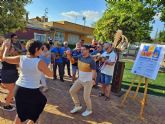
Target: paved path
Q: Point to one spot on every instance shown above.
(59, 104)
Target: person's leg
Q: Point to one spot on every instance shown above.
(43, 83)
(43, 80)
(74, 69)
(10, 88)
(108, 80)
(17, 120)
(73, 77)
(102, 85)
(61, 71)
(68, 68)
(87, 92)
(54, 70)
(64, 63)
(73, 92)
(30, 122)
(98, 78)
(107, 90)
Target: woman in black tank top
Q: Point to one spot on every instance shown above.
(9, 76)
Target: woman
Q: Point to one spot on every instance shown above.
(30, 102)
(9, 75)
(46, 57)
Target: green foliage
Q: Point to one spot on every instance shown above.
(12, 15)
(71, 46)
(155, 87)
(161, 37)
(158, 6)
(132, 17)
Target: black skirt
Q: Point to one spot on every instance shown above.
(9, 76)
(29, 103)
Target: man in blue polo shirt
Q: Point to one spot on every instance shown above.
(57, 54)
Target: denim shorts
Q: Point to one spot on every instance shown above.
(74, 69)
(106, 79)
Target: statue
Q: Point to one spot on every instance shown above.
(120, 42)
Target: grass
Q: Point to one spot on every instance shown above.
(156, 87)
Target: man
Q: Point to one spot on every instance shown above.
(65, 59)
(16, 44)
(75, 54)
(57, 54)
(81, 42)
(86, 79)
(96, 54)
(109, 60)
(93, 45)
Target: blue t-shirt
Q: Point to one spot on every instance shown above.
(59, 52)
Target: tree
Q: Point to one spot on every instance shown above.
(12, 15)
(161, 36)
(133, 17)
(158, 6)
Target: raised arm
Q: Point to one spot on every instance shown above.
(1, 52)
(11, 60)
(44, 68)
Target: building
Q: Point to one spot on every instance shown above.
(34, 30)
(42, 30)
(71, 32)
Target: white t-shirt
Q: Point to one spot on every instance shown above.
(108, 69)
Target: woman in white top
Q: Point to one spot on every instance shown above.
(30, 102)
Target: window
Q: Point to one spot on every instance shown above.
(73, 39)
(59, 36)
(40, 37)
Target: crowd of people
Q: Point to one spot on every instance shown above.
(25, 68)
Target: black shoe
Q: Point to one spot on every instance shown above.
(101, 94)
(54, 78)
(62, 80)
(8, 108)
(107, 98)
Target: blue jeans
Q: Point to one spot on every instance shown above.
(106, 79)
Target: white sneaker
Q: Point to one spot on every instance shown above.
(86, 113)
(76, 109)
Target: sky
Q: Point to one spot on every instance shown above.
(75, 10)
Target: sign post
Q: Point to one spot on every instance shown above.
(146, 66)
